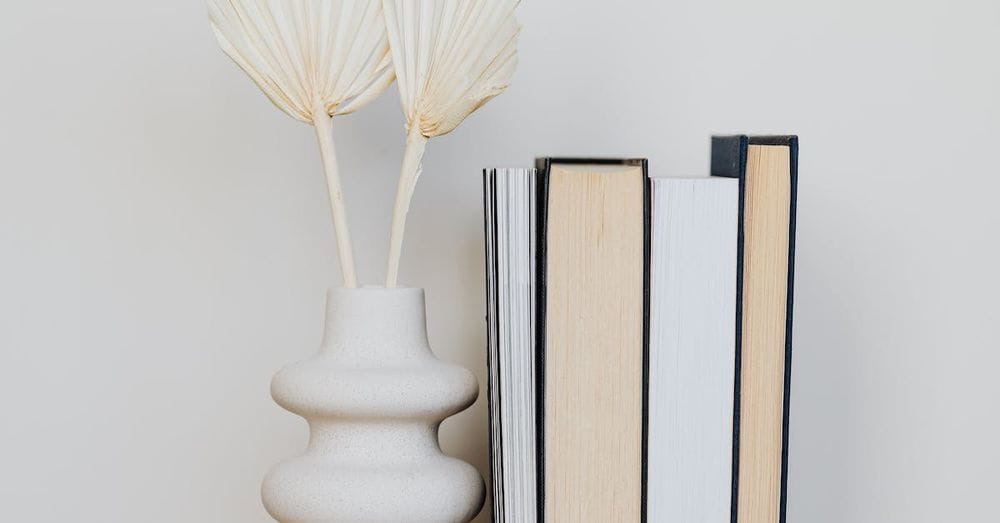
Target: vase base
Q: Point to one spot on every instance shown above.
(311, 489)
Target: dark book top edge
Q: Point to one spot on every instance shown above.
(542, 164)
(729, 152)
(774, 139)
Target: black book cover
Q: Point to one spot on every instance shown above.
(489, 202)
(543, 165)
(729, 159)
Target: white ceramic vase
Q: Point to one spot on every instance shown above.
(374, 397)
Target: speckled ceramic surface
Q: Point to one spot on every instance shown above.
(374, 397)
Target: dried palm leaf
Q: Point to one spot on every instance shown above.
(450, 57)
(314, 59)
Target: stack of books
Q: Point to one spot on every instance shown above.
(640, 337)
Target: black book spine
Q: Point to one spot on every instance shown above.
(489, 226)
(541, 214)
(647, 218)
(793, 150)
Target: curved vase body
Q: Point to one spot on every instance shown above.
(374, 397)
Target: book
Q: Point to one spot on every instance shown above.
(766, 168)
(567, 280)
(692, 349)
(510, 205)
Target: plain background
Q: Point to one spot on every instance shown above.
(165, 240)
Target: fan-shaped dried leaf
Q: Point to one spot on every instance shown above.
(450, 57)
(308, 54)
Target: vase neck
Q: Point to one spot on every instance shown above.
(375, 324)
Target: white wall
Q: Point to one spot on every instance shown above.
(165, 241)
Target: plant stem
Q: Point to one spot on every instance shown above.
(324, 133)
(408, 174)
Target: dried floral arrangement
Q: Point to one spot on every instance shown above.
(317, 59)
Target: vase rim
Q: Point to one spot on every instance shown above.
(375, 288)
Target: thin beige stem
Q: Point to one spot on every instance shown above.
(324, 133)
(408, 174)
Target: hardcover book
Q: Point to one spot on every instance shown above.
(511, 287)
(766, 168)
